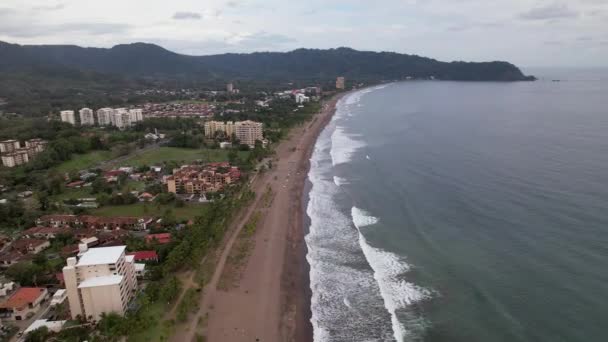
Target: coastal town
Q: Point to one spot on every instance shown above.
(134, 220)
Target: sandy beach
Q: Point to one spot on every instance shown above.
(269, 300)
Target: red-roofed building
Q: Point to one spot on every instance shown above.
(145, 256)
(7, 259)
(32, 246)
(44, 232)
(162, 238)
(57, 220)
(76, 184)
(23, 303)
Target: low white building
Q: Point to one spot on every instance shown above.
(52, 326)
(100, 280)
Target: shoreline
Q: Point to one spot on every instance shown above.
(295, 266)
(269, 299)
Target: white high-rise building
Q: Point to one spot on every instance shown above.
(68, 116)
(136, 115)
(122, 118)
(104, 116)
(86, 117)
(248, 132)
(100, 280)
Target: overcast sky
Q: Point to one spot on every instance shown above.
(525, 32)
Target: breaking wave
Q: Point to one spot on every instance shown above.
(389, 270)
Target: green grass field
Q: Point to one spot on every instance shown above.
(74, 194)
(177, 154)
(84, 161)
(189, 211)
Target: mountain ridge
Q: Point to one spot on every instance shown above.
(145, 59)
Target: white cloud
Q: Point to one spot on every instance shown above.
(514, 30)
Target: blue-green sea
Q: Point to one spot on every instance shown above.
(463, 211)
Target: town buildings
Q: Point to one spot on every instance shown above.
(340, 83)
(86, 117)
(199, 179)
(68, 116)
(94, 222)
(100, 280)
(12, 154)
(24, 303)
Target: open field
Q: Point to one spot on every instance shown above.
(189, 211)
(84, 161)
(164, 154)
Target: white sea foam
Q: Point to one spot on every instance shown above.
(339, 181)
(389, 270)
(343, 146)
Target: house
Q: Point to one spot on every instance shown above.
(57, 220)
(76, 184)
(145, 256)
(162, 238)
(112, 176)
(9, 258)
(24, 303)
(146, 197)
(51, 326)
(59, 297)
(44, 232)
(31, 246)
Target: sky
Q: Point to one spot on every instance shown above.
(529, 33)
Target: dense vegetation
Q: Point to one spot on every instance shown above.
(39, 79)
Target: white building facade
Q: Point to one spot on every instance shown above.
(104, 116)
(68, 116)
(86, 117)
(100, 280)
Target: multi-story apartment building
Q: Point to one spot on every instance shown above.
(14, 155)
(136, 115)
(68, 116)
(340, 83)
(100, 280)
(16, 158)
(122, 119)
(198, 179)
(248, 132)
(105, 116)
(36, 145)
(86, 117)
(211, 127)
(8, 146)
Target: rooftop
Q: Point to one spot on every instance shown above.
(51, 325)
(101, 281)
(23, 297)
(101, 255)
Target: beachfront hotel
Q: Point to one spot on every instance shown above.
(248, 132)
(100, 280)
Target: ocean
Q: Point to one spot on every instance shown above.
(455, 211)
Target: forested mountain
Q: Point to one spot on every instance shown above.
(147, 60)
(38, 79)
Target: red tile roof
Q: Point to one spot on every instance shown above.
(162, 238)
(23, 297)
(145, 255)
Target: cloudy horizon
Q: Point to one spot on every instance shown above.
(525, 32)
